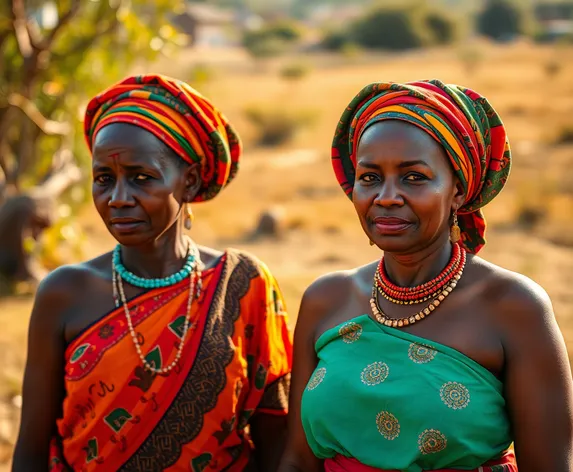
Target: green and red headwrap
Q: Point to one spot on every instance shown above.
(180, 117)
(458, 118)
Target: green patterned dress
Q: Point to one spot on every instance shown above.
(393, 400)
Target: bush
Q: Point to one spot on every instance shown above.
(564, 135)
(442, 28)
(273, 39)
(387, 28)
(336, 40)
(295, 71)
(276, 125)
(501, 20)
(406, 26)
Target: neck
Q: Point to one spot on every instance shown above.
(408, 270)
(159, 258)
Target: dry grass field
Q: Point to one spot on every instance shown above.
(531, 223)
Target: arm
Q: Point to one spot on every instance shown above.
(315, 304)
(270, 348)
(269, 435)
(538, 382)
(43, 390)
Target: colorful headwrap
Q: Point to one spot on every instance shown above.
(179, 116)
(458, 118)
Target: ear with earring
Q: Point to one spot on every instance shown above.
(189, 217)
(455, 232)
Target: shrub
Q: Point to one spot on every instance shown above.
(273, 39)
(277, 125)
(387, 28)
(564, 135)
(295, 71)
(501, 20)
(336, 40)
(442, 28)
(406, 25)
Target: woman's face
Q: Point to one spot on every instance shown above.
(405, 189)
(139, 185)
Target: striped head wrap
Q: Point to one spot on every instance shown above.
(179, 116)
(458, 118)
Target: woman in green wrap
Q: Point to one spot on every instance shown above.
(430, 359)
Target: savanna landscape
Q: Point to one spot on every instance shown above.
(530, 223)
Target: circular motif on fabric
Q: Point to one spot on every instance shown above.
(455, 395)
(388, 425)
(375, 373)
(421, 354)
(350, 332)
(432, 441)
(316, 378)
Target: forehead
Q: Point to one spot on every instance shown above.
(396, 141)
(123, 135)
(125, 142)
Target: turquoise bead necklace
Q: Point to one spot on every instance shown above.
(191, 271)
(141, 282)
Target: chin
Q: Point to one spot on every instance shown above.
(393, 245)
(130, 239)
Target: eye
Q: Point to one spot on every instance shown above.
(414, 177)
(368, 178)
(142, 177)
(102, 179)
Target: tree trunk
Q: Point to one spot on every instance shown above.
(28, 215)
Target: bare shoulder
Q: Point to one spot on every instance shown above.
(516, 300)
(330, 289)
(61, 287)
(327, 300)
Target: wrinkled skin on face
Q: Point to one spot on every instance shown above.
(139, 184)
(405, 190)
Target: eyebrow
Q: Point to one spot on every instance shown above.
(370, 165)
(134, 167)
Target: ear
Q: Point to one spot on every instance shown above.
(193, 182)
(459, 195)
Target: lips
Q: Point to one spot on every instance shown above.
(125, 225)
(391, 224)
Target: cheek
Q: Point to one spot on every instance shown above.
(99, 198)
(434, 206)
(361, 199)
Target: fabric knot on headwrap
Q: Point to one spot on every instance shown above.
(458, 118)
(180, 117)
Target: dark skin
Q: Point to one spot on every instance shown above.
(498, 318)
(139, 188)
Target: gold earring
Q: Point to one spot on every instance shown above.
(455, 232)
(189, 218)
(371, 243)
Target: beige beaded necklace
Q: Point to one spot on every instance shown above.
(438, 298)
(194, 292)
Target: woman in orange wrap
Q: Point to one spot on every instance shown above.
(160, 355)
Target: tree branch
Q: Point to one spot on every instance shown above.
(86, 43)
(63, 20)
(50, 127)
(20, 23)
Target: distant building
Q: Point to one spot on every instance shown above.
(206, 25)
(555, 19)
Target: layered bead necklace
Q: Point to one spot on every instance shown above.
(435, 290)
(191, 271)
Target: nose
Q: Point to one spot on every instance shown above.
(389, 194)
(121, 196)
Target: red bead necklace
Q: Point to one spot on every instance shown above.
(423, 292)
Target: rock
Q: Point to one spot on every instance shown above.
(271, 224)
